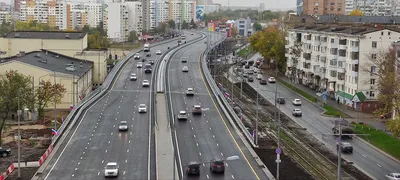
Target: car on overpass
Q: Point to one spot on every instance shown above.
(123, 126)
(297, 113)
(345, 147)
(271, 80)
(142, 108)
(184, 60)
(145, 83)
(296, 102)
(151, 62)
(136, 56)
(217, 166)
(158, 52)
(182, 115)
(193, 168)
(196, 110)
(139, 65)
(190, 92)
(111, 169)
(185, 69)
(133, 77)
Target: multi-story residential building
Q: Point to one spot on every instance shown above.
(78, 19)
(243, 26)
(5, 16)
(322, 7)
(374, 8)
(337, 60)
(122, 18)
(171, 10)
(52, 12)
(89, 13)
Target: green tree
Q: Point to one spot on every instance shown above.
(270, 44)
(45, 94)
(185, 25)
(171, 24)
(162, 27)
(97, 41)
(5, 28)
(356, 12)
(33, 26)
(257, 26)
(132, 36)
(14, 87)
(193, 24)
(234, 32)
(87, 29)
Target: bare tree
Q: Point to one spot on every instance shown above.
(295, 53)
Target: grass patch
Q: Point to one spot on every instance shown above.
(111, 61)
(331, 111)
(379, 139)
(244, 52)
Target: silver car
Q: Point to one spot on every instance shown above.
(182, 115)
(142, 108)
(133, 77)
(190, 92)
(123, 126)
(185, 69)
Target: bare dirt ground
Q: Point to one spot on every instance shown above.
(35, 139)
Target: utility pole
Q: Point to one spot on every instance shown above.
(55, 106)
(278, 121)
(339, 171)
(256, 130)
(19, 112)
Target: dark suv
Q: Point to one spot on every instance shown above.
(281, 100)
(193, 168)
(217, 166)
(345, 147)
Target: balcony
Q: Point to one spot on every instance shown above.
(287, 46)
(341, 46)
(354, 74)
(354, 48)
(332, 56)
(333, 45)
(307, 56)
(340, 70)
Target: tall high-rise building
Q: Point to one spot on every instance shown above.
(146, 14)
(262, 7)
(91, 11)
(17, 5)
(173, 10)
(323, 7)
(52, 12)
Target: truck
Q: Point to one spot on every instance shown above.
(345, 127)
(146, 47)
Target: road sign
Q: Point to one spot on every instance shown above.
(278, 151)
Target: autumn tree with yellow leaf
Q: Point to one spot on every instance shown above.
(356, 12)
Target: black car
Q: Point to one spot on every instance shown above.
(250, 79)
(5, 152)
(345, 147)
(281, 100)
(144, 60)
(193, 168)
(247, 67)
(263, 82)
(148, 55)
(151, 62)
(217, 166)
(250, 62)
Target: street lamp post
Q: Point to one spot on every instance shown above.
(256, 129)
(19, 112)
(55, 106)
(278, 121)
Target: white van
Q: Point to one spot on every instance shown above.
(259, 76)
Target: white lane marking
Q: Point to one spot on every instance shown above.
(88, 143)
(233, 177)
(213, 136)
(109, 142)
(118, 112)
(92, 134)
(73, 175)
(210, 129)
(105, 151)
(217, 144)
(116, 118)
(94, 130)
(83, 152)
(200, 153)
(119, 106)
(185, 102)
(114, 125)
(127, 150)
(203, 114)
(207, 121)
(194, 135)
(76, 169)
(197, 144)
(208, 177)
(222, 154)
(98, 173)
(131, 133)
(363, 155)
(129, 141)
(204, 164)
(126, 160)
(112, 134)
(86, 147)
(379, 165)
(81, 157)
(79, 163)
(90, 139)
(226, 164)
(192, 128)
(123, 173)
(102, 161)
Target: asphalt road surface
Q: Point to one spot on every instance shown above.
(365, 158)
(207, 136)
(97, 140)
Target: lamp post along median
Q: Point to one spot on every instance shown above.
(19, 112)
(55, 106)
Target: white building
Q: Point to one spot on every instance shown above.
(373, 7)
(338, 60)
(90, 12)
(122, 18)
(55, 13)
(5, 16)
(244, 26)
(165, 11)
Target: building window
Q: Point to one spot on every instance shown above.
(372, 81)
(371, 94)
(374, 44)
(332, 40)
(373, 69)
(373, 56)
(389, 33)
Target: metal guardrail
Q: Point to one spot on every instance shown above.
(73, 116)
(220, 97)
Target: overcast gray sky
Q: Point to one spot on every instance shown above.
(269, 4)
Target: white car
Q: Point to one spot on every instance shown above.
(133, 77)
(158, 52)
(255, 70)
(139, 65)
(297, 112)
(271, 80)
(136, 56)
(142, 108)
(145, 83)
(182, 115)
(123, 126)
(393, 176)
(297, 102)
(190, 92)
(185, 69)
(111, 169)
(259, 76)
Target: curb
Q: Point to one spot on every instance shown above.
(379, 150)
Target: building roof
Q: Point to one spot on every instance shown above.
(45, 35)
(388, 20)
(342, 29)
(53, 62)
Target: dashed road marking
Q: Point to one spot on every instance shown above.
(98, 173)
(76, 169)
(363, 155)
(208, 177)
(222, 154)
(127, 150)
(194, 135)
(109, 142)
(233, 177)
(192, 128)
(126, 160)
(73, 175)
(129, 141)
(379, 165)
(112, 133)
(213, 136)
(200, 153)
(105, 151)
(217, 144)
(197, 144)
(102, 161)
(123, 173)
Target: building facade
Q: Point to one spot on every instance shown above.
(122, 18)
(337, 60)
(162, 11)
(322, 7)
(75, 75)
(374, 8)
(54, 13)
(243, 26)
(5, 16)
(87, 13)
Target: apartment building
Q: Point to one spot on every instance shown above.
(374, 8)
(337, 61)
(122, 18)
(52, 12)
(78, 19)
(322, 7)
(244, 26)
(162, 11)
(86, 13)
(5, 16)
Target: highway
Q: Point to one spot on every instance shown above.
(204, 137)
(97, 141)
(372, 162)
